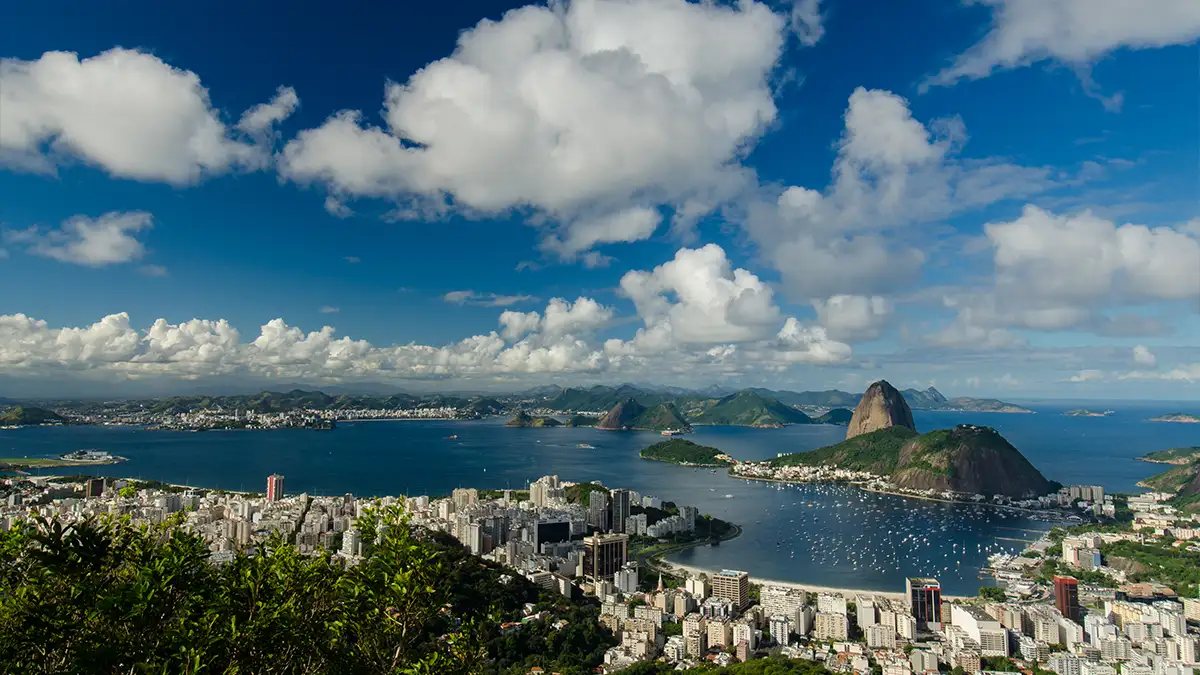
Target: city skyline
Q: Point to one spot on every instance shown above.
(801, 195)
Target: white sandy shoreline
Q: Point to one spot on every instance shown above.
(811, 588)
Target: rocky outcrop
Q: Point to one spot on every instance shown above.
(970, 459)
(629, 414)
(881, 406)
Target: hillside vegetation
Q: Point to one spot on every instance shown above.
(680, 451)
(967, 458)
(524, 419)
(876, 452)
(108, 597)
(748, 409)
(29, 416)
(1182, 455)
(629, 414)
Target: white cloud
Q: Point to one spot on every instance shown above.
(1144, 357)
(262, 118)
(1184, 373)
(469, 297)
(153, 270)
(891, 170)
(1082, 259)
(1077, 32)
(126, 112)
(806, 21)
(801, 344)
(851, 317)
(560, 318)
(590, 112)
(107, 240)
(634, 224)
(699, 298)
(1088, 375)
(337, 208)
(328, 309)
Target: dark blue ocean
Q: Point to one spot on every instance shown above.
(822, 535)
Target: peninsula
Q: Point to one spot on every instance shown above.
(23, 416)
(686, 453)
(525, 420)
(883, 448)
(1176, 456)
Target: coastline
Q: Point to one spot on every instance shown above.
(811, 588)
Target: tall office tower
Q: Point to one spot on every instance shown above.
(599, 515)
(1066, 598)
(604, 554)
(620, 509)
(464, 497)
(274, 487)
(94, 487)
(733, 586)
(925, 601)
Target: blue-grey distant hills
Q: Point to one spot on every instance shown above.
(601, 398)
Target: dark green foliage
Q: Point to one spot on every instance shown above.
(630, 414)
(876, 452)
(1174, 455)
(599, 397)
(524, 419)
(1178, 568)
(578, 493)
(681, 451)
(748, 408)
(993, 593)
(582, 421)
(838, 416)
(108, 597)
(29, 415)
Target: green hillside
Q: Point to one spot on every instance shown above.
(749, 409)
(524, 419)
(630, 414)
(29, 416)
(1173, 456)
(680, 451)
(968, 458)
(582, 421)
(578, 493)
(876, 452)
(838, 416)
(1173, 479)
(600, 397)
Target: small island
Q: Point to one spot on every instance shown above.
(686, 453)
(77, 458)
(524, 420)
(1084, 412)
(1183, 418)
(1176, 456)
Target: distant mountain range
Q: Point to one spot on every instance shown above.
(600, 398)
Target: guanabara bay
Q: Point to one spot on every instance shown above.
(584, 337)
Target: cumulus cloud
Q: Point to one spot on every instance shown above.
(337, 208)
(853, 317)
(560, 318)
(1184, 373)
(807, 20)
(95, 242)
(891, 170)
(469, 297)
(1077, 272)
(1144, 357)
(699, 298)
(809, 344)
(128, 113)
(1076, 32)
(589, 112)
(1083, 258)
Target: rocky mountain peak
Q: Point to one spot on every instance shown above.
(881, 406)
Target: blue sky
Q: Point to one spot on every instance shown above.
(999, 197)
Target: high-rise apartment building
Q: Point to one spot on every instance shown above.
(94, 487)
(620, 509)
(604, 555)
(732, 585)
(925, 601)
(1066, 598)
(599, 515)
(274, 487)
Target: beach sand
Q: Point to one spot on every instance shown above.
(811, 588)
